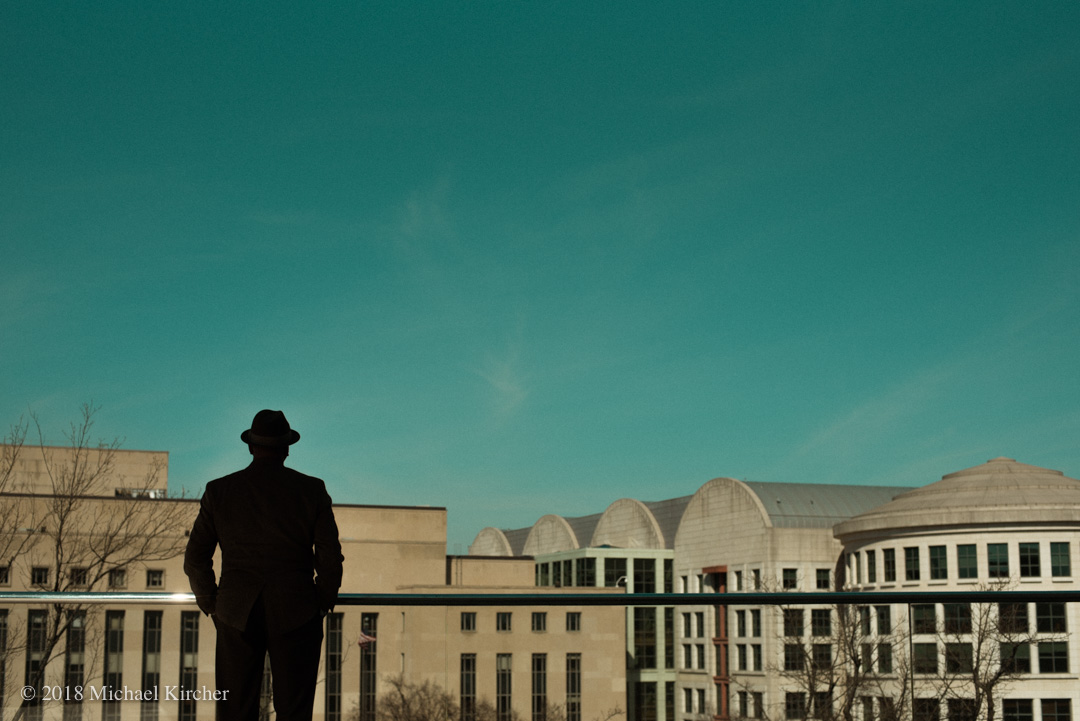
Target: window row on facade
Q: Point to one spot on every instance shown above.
(819, 705)
(79, 577)
(1034, 559)
(504, 687)
(76, 663)
(609, 572)
(504, 621)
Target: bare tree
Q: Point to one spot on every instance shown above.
(985, 647)
(75, 536)
(839, 658)
(427, 701)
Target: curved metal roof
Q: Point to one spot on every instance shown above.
(1000, 491)
(818, 505)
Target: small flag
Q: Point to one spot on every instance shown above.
(365, 640)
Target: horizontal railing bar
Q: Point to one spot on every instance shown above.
(860, 598)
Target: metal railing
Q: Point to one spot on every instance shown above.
(741, 598)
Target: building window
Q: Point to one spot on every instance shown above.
(790, 579)
(1017, 709)
(1056, 709)
(738, 581)
(962, 709)
(958, 658)
(573, 687)
(3, 654)
(1012, 618)
(155, 579)
(888, 557)
(556, 575)
(5, 575)
(687, 626)
(755, 623)
(539, 621)
(871, 567)
(743, 658)
(793, 622)
(823, 577)
(117, 578)
(884, 658)
(468, 687)
(740, 623)
(468, 620)
(669, 576)
(957, 617)
(911, 563)
(967, 564)
(699, 618)
(586, 572)
(77, 577)
(1050, 618)
(539, 687)
(821, 656)
(794, 657)
(36, 622)
(1060, 564)
(189, 660)
(939, 564)
(75, 664)
(822, 705)
(821, 622)
(502, 620)
(573, 620)
(114, 662)
(645, 637)
(645, 700)
(700, 656)
(756, 655)
(925, 657)
(669, 637)
(334, 657)
(39, 576)
(864, 620)
(503, 687)
(614, 572)
(644, 575)
(997, 560)
(1030, 567)
(1016, 657)
(884, 620)
(369, 674)
(1053, 657)
(924, 618)
(744, 704)
(151, 662)
(926, 709)
(757, 578)
(795, 705)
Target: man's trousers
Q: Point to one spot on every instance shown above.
(294, 668)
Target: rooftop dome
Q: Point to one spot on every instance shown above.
(1000, 491)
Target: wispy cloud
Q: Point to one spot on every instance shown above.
(507, 382)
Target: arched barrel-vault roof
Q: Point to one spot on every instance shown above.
(550, 534)
(490, 542)
(628, 523)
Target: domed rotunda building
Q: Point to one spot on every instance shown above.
(1001, 525)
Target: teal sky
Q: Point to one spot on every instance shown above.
(517, 258)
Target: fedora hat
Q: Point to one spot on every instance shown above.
(269, 428)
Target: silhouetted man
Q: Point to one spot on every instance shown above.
(280, 573)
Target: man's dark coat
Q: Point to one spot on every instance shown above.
(276, 530)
